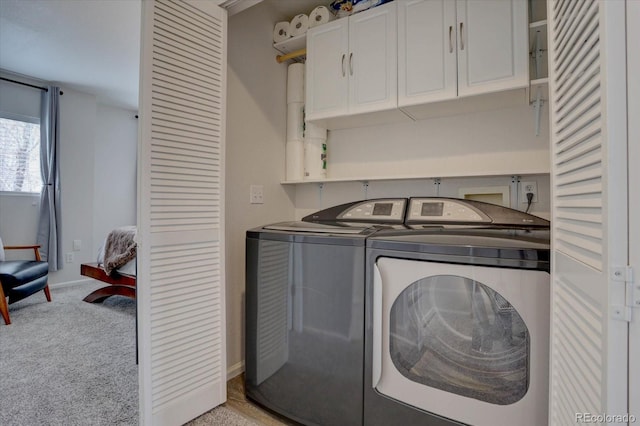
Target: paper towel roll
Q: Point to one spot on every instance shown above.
(312, 130)
(281, 32)
(294, 153)
(315, 158)
(295, 83)
(299, 25)
(318, 16)
(295, 121)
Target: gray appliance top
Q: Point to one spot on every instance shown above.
(380, 211)
(318, 228)
(439, 211)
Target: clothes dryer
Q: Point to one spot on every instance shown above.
(457, 318)
(305, 311)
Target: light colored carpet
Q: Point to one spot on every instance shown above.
(70, 363)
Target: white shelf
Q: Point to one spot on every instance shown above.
(540, 82)
(538, 24)
(414, 177)
(291, 44)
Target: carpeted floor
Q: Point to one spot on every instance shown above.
(70, 363)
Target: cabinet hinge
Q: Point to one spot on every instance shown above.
(624, 274)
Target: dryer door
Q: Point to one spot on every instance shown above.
(466, 342)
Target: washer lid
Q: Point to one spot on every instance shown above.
(440, 210)
(379, 210)
(319, 228)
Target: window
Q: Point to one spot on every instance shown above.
(20, 154)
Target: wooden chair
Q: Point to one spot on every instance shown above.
(21, 278)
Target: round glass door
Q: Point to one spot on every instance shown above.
(458, 335)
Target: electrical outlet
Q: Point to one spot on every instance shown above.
(69, 257)
(525, 188)
(256, 194)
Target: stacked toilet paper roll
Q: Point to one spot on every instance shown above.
(281, 31)
(299, 25)
(318, 16)
(315, 151)
(294, 148)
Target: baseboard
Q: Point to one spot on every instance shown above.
(71, 283)
(235, 370)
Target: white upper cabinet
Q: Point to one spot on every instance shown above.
(351, 65)
(426, 51)
(492, 45)
(452, 49)
(327, 82)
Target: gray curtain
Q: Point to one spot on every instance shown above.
(49, 226)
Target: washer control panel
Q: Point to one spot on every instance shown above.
(437, 210)
(391, 210)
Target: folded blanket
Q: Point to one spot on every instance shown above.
(119, 248)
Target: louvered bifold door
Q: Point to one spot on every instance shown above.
(180, 212)
(589, 220)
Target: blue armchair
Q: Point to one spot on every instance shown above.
(21, 278)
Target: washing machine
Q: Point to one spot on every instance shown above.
(457, 317)
(305, 311)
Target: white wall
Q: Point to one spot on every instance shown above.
(115, 165)
(310, 198)
(256, 115)
(77, 139)
(98, 148)
(498, 144)
(484, 143)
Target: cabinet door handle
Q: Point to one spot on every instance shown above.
(351, 63)
(343, 71)
(461, 36)
(450, 39)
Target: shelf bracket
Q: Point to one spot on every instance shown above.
(537, 53)
(515, 191)
(365, 189)
(436, 183)
(320, 191)
(537, 107)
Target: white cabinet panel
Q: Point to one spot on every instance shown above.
(351, 64)
(327, 82)
(372, 60)
(492, 45)
(426, 51)
(452, 49)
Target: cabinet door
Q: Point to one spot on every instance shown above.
(492, 45)
(426, 51)
(327, 87)
(373, 84)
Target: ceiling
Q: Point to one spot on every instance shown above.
(92, 46)
(89, 45)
